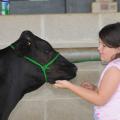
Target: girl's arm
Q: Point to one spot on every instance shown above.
(88, 85)
(108, 86)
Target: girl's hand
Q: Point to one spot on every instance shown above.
(62, 84)
(89, 86)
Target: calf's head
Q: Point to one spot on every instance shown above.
(53, 66)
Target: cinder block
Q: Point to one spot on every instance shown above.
(104, 7)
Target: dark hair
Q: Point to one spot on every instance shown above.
(110, 35)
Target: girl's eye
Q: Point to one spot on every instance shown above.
(104, 45)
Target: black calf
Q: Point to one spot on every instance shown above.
(26, 65)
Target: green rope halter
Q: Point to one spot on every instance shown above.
(45, 67)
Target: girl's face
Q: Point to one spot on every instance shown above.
(107, 53)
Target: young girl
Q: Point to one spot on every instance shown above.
(105, 97)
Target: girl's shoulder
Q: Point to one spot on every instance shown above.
(114, 63)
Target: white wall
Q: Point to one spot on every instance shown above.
(61, 30)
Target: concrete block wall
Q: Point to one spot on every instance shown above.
(61, 30)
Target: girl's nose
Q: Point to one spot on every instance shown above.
(98, 48)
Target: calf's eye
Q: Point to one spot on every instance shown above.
(28, 43)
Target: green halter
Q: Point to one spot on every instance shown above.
(45, 67)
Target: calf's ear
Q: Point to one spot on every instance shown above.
(24, 43)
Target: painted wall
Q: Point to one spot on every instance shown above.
(61, 30)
